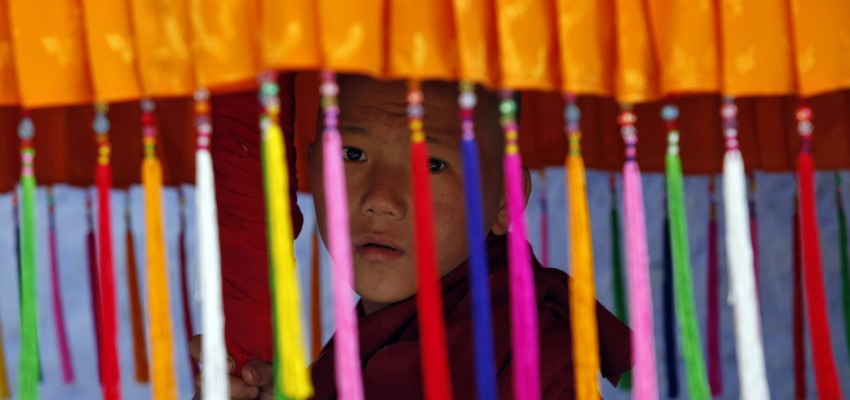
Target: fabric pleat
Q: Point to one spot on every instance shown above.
(56, 294)
(349, 380)
(482, 320)
(645, 383)
(108, 320)
(160, 332)
(292, 377)
(429, 302)
(524, 323)
(29, 365)
(213, 352)
(583, 290)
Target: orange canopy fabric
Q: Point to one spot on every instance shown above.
(59, 56)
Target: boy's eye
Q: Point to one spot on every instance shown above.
(436, 165)
(353, 154)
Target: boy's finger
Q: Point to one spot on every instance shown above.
(195, 347)
(258, 373)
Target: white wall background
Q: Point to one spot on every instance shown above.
(774, 207)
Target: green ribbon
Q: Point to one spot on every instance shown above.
(29, 363)
(683, 288)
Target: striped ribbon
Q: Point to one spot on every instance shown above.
(56, 294)
(742, 277)
(637, 259)
(826, 374)
(292, 377)
(347, 355)
(29, 369)
(160, 332)
(482, 320)
(214, 355)
(583, 290)
(108, 320)
(429, 301)
(524, 325)
(683, 287)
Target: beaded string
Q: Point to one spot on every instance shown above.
(741, 264)
(482, 321)
(618, 284)
(347, 353)
(845, 257)
(28, 376)
(292, 377)
(184, 279)
(215, 380)
(56, 293)
(682, 280)
(161, 333)
(637, 259)
(583, 290)
(524, 324)
(94, 282)
(108, 320)
(799, 323)
(826, 375)
(429, 300)
(715, 373)
(137, 322)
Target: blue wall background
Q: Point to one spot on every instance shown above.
(774, 202)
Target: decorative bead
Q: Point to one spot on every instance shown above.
(148, 105)
(26, 129)
(414, 96)
(730, 132)
(804, 113)
(729, 111)
(805, 128)
(269, 89)
(468, 100)
(670, 113)
(201, 95)
(627, 118)
(572, 113)
(415, 110)
(100, 125)
(628, 130)
(508, 107)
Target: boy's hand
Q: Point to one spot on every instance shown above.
(257, 380)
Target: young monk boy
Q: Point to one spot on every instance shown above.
(374, 128)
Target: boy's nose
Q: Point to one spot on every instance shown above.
(386, 196)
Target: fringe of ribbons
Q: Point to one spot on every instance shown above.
(214, 355)
(347, 355)
(482, 320)
(637, 262)
(583, 290)
(436, 377)
(160, 332)
(292, 377)
(685, 308)
(826, 374)
(108, 320)
(741, 263)
(56, 294)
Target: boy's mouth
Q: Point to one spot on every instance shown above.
(377, 249)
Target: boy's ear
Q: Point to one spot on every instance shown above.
(500, 226)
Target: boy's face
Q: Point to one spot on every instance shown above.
(376, 152)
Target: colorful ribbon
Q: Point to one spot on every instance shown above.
(137, 322)
(583, 290)
(184, 280)
(845, 258)
(715, 373)
(28, 374)
(213, 352)
(620, 308)
(482, 320)
(524, 325)
(800, 390)
(160, 332)
(292, 377)
(640, 292)
(685, 308)
(108, 320)
(56, 294)
(429, 301)
(826, 374)
(741, 263)
(347, 355)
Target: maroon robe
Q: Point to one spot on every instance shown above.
(389, 338)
